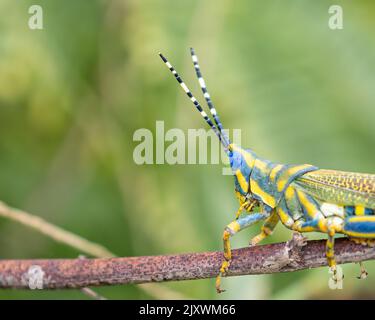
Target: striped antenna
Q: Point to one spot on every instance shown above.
(207, 96)
(194, 100)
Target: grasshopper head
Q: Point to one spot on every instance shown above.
(241, 162)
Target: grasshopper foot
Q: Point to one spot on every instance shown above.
(336, 276)
(224, 268)
(258, 238)
(364, 273)
(298, 240)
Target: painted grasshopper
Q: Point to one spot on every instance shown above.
(303, 197)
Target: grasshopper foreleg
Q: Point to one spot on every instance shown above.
(230, 230)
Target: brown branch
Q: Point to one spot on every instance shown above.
(78, 273)
(80, 244)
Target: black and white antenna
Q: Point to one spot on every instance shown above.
(207, 96)
(218, 130)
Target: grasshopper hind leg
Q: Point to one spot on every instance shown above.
(361, 230)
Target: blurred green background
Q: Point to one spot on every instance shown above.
(72, 95)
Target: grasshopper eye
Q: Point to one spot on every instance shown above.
(231, 160)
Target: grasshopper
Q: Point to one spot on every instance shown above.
(303, 197)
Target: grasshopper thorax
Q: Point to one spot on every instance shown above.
(260, 180)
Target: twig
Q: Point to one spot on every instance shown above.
(80, 244)
(54, 232)
(77, 273)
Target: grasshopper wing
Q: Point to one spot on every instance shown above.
(339, 187)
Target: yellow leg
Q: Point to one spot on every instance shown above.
(368, 242)
(266, 230)
(248, 205)
(227, 258)
(307, 226)
(330, 253)
(230, 230)
(238, 213)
